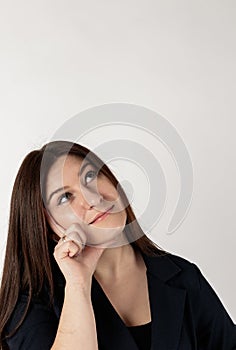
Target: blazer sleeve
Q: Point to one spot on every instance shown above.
(38, 330)
(215, 328)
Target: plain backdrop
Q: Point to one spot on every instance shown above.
(58, 58)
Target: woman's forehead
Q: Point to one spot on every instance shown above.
(66, 161)
(64, 166)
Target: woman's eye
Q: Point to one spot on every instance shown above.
(90, 175)
(64, 198)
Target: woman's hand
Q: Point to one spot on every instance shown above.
(76, 260)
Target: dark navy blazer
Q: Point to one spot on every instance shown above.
(186, 313)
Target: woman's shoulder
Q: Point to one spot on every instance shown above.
(189, 271)
(180, 272)
(177, 259)
(38, 316)
(186, 265)
(37, 311)
(168, 266)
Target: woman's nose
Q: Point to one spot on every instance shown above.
(86, 201)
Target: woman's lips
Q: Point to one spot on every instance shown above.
(101, 217)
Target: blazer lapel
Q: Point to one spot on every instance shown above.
(166, 302)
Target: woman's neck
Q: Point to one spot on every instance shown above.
(115, 263)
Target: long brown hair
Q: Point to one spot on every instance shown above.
(29, 233)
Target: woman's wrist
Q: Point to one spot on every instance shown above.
(77, 287)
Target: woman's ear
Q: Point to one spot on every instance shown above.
(53, 224)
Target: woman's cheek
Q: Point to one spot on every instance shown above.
(65, 217)
(107, 190)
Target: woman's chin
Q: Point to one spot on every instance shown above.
(105, 237)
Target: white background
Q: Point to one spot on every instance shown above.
(175, 57)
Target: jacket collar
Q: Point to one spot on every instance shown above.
(161, 266)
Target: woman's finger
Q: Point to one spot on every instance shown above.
(67, 248)
(75, 233)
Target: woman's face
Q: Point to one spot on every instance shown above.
(76, 194)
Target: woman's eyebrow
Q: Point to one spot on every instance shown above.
(56, 191)
(83, 168)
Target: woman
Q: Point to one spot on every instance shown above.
(79, 272)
